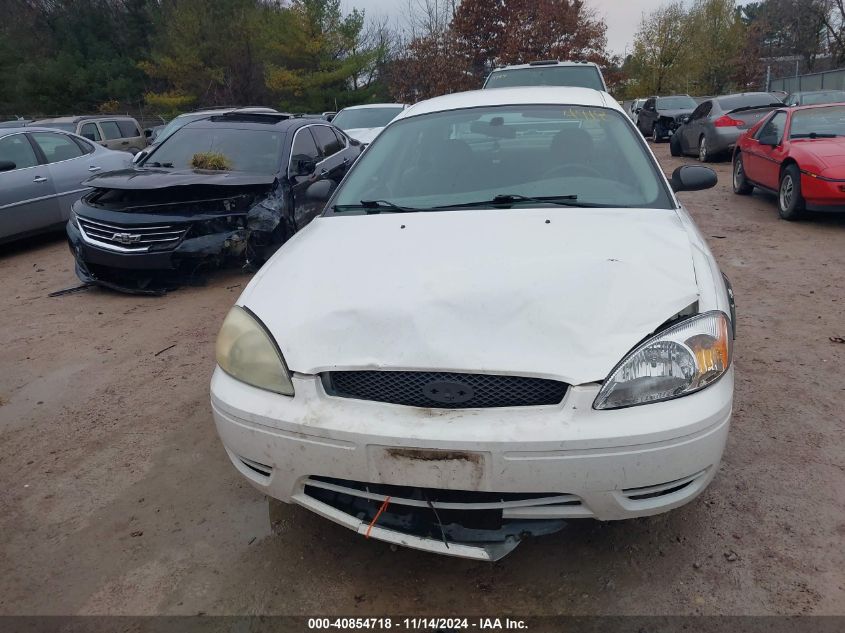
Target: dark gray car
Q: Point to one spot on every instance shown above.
(41, 174)
(714, 127)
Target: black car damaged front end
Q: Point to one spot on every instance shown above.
(149, 240)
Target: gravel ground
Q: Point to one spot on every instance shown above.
(119, 499)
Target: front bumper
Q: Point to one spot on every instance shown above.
(151, 272)
(568, 460)
(822, 194)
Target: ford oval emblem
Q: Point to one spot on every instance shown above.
(448, 392)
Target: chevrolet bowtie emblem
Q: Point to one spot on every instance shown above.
(126, 238)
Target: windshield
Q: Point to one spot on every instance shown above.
(676, 103)
(67, 127)
(833, 96)
(365, 117)
(177, 123)
(578, 76)
(243, 149)
(590, 156)
(818, 122)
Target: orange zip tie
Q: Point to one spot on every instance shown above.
(383, 507)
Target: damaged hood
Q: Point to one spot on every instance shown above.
(160, 178)
(476, 291)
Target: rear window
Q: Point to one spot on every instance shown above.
(834, 96)
(128, 129)
(747, 101)
(365, 117)
(576, 76)
(110, 130)
(255, 150)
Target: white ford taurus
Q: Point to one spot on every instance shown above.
(504, 319)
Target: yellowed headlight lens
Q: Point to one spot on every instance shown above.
(246, 351)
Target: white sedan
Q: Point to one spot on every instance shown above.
(504, 319)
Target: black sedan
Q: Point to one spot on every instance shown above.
(229, 188)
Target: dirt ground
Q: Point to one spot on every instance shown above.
(117, 497)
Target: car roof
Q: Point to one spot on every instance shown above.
(83, 117)
(365, 106)
(227, 109)
(255, 120)
(5, 131)
(531, 95)
(545, 64)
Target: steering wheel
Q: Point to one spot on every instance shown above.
(568, 169)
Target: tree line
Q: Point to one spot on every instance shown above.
(707, 47)
(168, 56)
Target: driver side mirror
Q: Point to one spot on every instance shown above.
(7, 165)
(771, 140)
(693, 178)
(320, 191)
(140, 155)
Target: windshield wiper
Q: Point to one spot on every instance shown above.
(165, 165)
(373, 207)
(815, 135)
(510, 199)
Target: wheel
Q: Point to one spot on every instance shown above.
(675, 145)
(791, 203)
(703, 150)
(740, 182)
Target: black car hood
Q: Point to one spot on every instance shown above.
(160, 178)
(674, 113)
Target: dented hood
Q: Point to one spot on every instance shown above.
(476, 291)
(160, 178)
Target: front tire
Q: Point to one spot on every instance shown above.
(741, 185)
(791, 204)
(655, 134)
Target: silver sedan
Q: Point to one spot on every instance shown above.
(41, 176)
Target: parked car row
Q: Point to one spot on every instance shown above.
(145, 223)
(709, 127)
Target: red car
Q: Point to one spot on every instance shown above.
(797, 154)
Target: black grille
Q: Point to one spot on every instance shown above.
(442, 390)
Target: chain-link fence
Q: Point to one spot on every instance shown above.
(827, 80)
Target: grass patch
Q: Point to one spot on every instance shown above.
(211, 160)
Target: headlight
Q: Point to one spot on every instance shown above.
(676, 362)
(72, 218)
(246, 351)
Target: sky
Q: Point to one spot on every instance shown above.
(622, 16)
